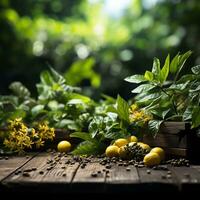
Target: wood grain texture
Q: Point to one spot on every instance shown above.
(85, 181)
(188, 178)
(122, 179)
(157, 180)
(7, 166)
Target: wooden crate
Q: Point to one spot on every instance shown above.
(178, 139)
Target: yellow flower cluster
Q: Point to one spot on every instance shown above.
(138, 115)
(20, 137)
(42, 133)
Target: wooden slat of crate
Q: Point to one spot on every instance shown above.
(156, 180)
(122, 179)
(7, 166)
(166, 140)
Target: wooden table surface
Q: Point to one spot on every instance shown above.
(54, 172)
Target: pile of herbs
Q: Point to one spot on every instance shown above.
(167, 93)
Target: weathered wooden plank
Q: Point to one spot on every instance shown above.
(89, 179)
(33, 171)
(47, 172)
(12, 163)
(62, 173)
(122, 179)
(187, 177)
(157, 179)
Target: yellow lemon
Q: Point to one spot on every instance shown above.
(120, 142)
(64, 146)
(132, 139)
(144, 146)
(112, 151)
(159, 151)
(151, 159)
(123, 152)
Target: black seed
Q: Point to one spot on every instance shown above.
(169, 172)
(41, 172)
(94, 174)
(163, 177)
(148, 171)
(63, 167)
(128, 169)
(26, 174)
(64, 174)
(169, 176)
(187, 175)
(34, 169)
(99, 172)
(108, 166)
(6, 158)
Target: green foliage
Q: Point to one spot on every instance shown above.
(39, 32)
(166, 94)
(84, 69)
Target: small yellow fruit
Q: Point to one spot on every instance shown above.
(64, 146)
(121, 142)
(123, 152)
(144, 146)
(112, 151)
(151, 159)
(159, 151)
(132, 139)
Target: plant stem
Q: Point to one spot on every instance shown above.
(171, 97)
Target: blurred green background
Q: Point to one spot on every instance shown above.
(94, 43)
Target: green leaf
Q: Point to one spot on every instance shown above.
(89, 148)
(57, 77)
(64, 123)
(187, 77)
(17, 113)
(108, 99)
(46, 78)
(148, 75)
(136, 79)
(37, 109)
(156, 68)
(197, 89)
(182, 60)
(143, 88)
(165, 70)
(181, 86)
(19, 89)
(147, 97)
(122, 109)
(82, 135)
(196, 117)
(174, 64)
(97, 125)
(81, 98)
(154, 126)
(196, 69)
(165, 112)
(187, 115)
